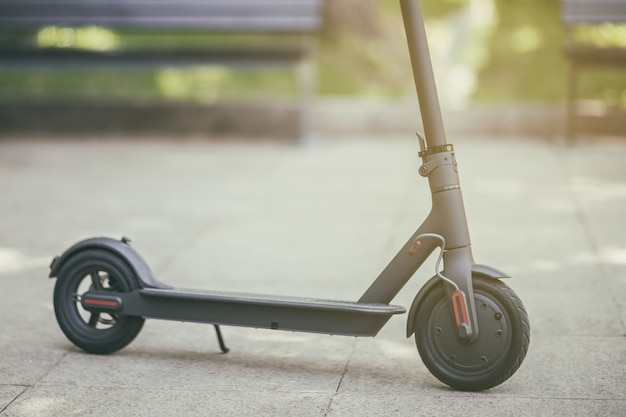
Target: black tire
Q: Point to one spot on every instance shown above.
(100, 333)
(486, 362)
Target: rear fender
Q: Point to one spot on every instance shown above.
(119, 248)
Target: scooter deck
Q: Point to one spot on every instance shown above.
(259, 311)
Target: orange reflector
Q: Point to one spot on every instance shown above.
(415, 247)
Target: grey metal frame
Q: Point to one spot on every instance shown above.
(447, 217)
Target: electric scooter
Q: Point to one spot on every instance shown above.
(471, 330)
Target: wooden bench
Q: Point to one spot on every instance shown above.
(582, 56)
(277, 34)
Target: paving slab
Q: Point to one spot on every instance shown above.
(318, 221)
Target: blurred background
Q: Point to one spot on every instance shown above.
(489, 55)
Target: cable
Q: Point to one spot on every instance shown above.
(440, 257)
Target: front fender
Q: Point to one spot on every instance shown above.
(117, 247)
(477, 269)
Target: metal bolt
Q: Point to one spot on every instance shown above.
(437, 330)
(483, 359)
(483, 306)
(453, 358)
(498, 316)
(498, 333)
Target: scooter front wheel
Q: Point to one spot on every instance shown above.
(504, 336)
(94, 332)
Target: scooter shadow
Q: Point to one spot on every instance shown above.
(277, 366)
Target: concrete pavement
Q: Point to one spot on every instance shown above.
(318, 221)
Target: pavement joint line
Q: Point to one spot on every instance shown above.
(343, 374)
(26, 388)
(405, 198)
(30, 386)
(591, 239)
(190, 243)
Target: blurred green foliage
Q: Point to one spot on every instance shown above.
(526, 60)
(361, 52)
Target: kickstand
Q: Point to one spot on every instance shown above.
(220, 339)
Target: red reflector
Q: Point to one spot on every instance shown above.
(460, 311)
(102, 303)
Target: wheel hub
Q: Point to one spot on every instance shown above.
(476, 355)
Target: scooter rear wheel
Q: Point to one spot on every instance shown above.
(504, 336)
(94, 332)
